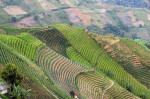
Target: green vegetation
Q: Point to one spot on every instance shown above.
(24, 43)
(30, 70)
(113, 30)
(138, 49)
(100, 61)
(143, 44)
(85, 42)
(116, 62)
(4, 18)
(11, 74)
(128, 3)
(20, 93)
(75, 56)
(3, 96)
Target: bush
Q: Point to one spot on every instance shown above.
(1, 80)
(13, 19)
(129, 87)
(3, 96)
(143, 96)
(20, 93)
(11, 75)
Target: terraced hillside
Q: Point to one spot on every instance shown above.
(127, 57)
(62, 62)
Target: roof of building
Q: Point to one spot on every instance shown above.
(3, 86)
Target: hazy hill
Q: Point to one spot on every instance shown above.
(91, 15)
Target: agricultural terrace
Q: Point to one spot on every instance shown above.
(53, 38)
(35, 76)
(24, 44)
(100, 61)
(119, 51)
(98, 87)
(62, 70)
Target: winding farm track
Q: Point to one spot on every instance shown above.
(112, 83)
(114, 42)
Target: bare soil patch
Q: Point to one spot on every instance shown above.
(76, 15)
(67, 2)
(14, 10)
(138, 23)
(46, 5)
(26, 22)
(126, 19)
(37, 91)
(132, 16)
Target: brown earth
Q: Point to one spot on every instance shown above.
(138, 23)
(26, 22)
(67, 2)
(77, 15)
(46, 5)
(126, 19)
(37, 91)
(14, 10)
(132, 16)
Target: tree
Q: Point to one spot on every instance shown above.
(13, 19)
(36, 17)
(11, 74)
(134, 36)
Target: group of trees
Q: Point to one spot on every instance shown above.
(128, 3)
(110, 29)
(86, 1)
(11, 75)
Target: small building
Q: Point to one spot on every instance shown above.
(74, 94)
(3, 88)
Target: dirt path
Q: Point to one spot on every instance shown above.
(112, 83)
(107, 46)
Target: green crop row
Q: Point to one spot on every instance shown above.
(62, 70)
(30, 69)
(97, 86)
(93, 53)
(75, 56)
(81, 42)
(22, 46)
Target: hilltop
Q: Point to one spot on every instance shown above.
(61, 60)
(96, 16)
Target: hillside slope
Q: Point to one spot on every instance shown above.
(61, 59)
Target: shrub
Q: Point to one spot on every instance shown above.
(20, 93)
(129, 87)
(3, 96)
(143, 96)
(1, 80)
(11, 75)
